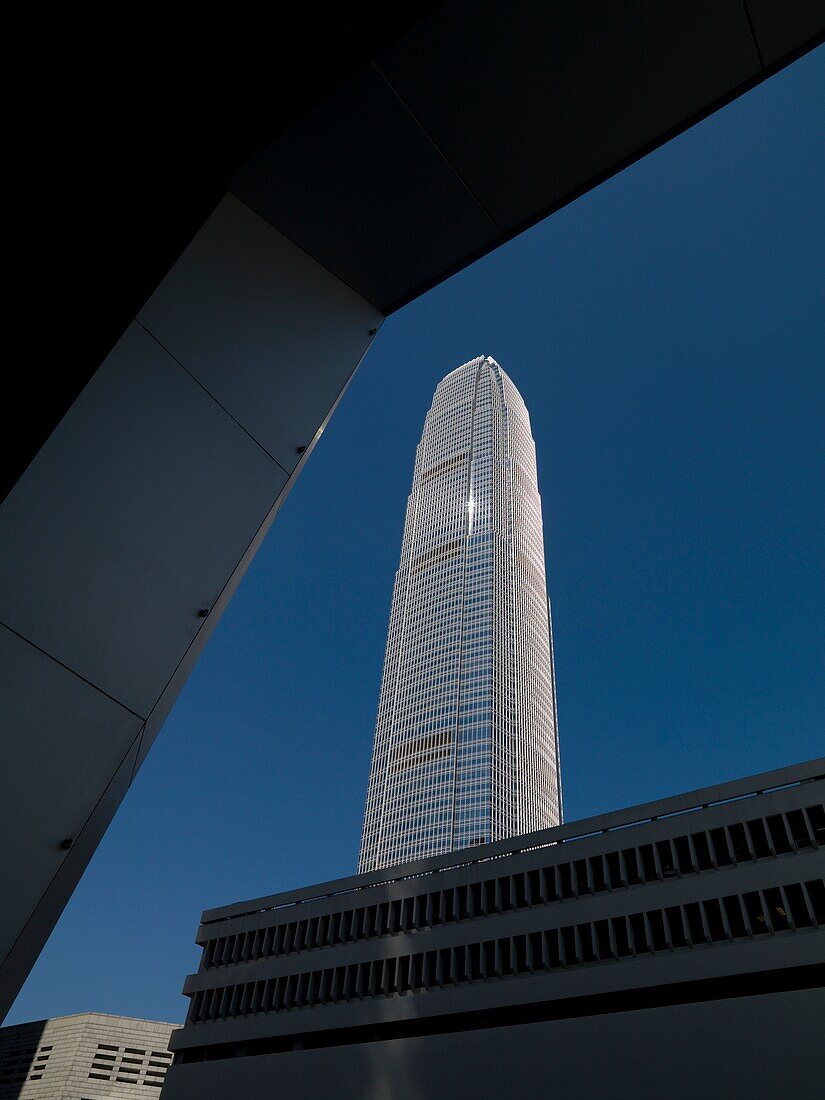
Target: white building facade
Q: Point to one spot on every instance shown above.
(466, 741)
(87, 1056)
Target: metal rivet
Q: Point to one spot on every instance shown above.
(373, 331)
(300, 450)
(204, 611)
(66, 844)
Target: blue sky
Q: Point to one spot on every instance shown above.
(666, 332)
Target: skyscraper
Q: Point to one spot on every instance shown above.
(466, 741)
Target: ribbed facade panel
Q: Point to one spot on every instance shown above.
(466, 745)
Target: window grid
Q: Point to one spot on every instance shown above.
(465, 747)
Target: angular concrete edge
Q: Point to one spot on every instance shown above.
(153, 493)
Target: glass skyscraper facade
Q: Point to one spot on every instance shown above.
(466, 740)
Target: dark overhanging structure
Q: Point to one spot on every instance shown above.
(232, 244)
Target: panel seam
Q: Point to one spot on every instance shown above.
(442, 155)
(73, 672)
(752, 31)
(268, 517)
(334, 275)
(33, 912)
(211, 395)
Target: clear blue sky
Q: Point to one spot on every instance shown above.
(666, 332)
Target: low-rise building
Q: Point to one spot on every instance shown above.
(86, 1056)
(664, 950)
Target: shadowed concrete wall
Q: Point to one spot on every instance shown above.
(756, 1047)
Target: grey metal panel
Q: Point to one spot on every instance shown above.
(756, 1047)
(361, 187)
(151, 498)
(164, 704)
(52, 781)
(531, 101)
(41, 908)
(129, 521)
(239, 311)
(782, 27)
